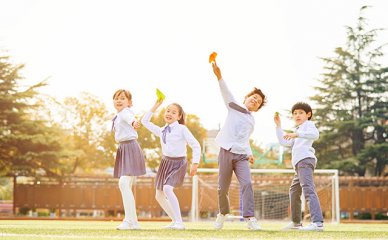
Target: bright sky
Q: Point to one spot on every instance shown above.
(101, 46)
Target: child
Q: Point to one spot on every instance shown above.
(304, 162)
(173, 138)
(129, 157)
(235, 152)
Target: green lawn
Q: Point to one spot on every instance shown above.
(45, 229)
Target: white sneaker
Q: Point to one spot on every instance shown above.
(169, 225)
(127, 225)
(312, 227)
(219, 221)
(253, 224)
(178, 226)
(292, 226)
(135, 226)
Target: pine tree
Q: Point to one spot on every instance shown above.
(352, 104)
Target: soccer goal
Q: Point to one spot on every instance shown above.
(270, 187)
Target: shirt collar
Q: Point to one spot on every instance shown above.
(176, 123)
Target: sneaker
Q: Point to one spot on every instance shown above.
(169, 225)
(312, 227)
(219, 221)
(125, 225)
(178, 226)
(292, 226)
(135, 226)
(253, 224)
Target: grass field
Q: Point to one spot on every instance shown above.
(44, 229)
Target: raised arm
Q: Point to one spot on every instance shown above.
(146, 120)
(280, 133)
(225, 92)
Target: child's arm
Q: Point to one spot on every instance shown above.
(146, 120)
(129, 117)
(226, 94)
(309, 132)
(280, 134)
(194, 144)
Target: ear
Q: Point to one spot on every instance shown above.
(309, 115)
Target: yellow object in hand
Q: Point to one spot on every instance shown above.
(277, 114)
(160, 95)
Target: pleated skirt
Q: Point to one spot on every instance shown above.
(129, 160)
(172, 171)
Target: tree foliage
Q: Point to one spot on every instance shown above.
(352, 104)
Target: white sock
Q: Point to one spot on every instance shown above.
(164, 203)
(173, 200)
(125, 185)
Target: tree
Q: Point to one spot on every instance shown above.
(352, 105)
(27, 145)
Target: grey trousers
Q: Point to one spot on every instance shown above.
(227, 163)
(303, 181)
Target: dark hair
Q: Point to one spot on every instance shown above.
(303, 106)
(260, 93)
(181, 113)
(126, 93)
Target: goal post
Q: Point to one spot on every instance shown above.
(270, 188)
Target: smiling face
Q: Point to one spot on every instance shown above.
(253, 102)
(300, 116)
(121, 101)
(172, 114)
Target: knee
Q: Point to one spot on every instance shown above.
(159, 195)
(308, 190)
(246, 185)
(222, 191)
(167, 189)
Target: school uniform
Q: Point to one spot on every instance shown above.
(233, 140)
(129, 156)
(304, 162)
(173, 140)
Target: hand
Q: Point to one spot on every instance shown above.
(251, 159)
(217, 71)
(289, 136)
(136, 124)
(156, 105)
(193, 169)
(277, 121)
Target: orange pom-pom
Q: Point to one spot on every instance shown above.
(212, 57)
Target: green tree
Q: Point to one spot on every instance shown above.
(27, 145)
(352, 105)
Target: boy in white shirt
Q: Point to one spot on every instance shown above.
(235, 151)
(304, 162)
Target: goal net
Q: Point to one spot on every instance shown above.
(270, 187)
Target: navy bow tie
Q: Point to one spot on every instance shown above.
(113, 123)
(164, 132)
(238, 108)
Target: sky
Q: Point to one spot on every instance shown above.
(101, 46)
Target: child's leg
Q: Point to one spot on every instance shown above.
(173, 200)
(164, 203)
(224, 178)
(295, 202)
(305, 171)
(125, 185)
(243, 174)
